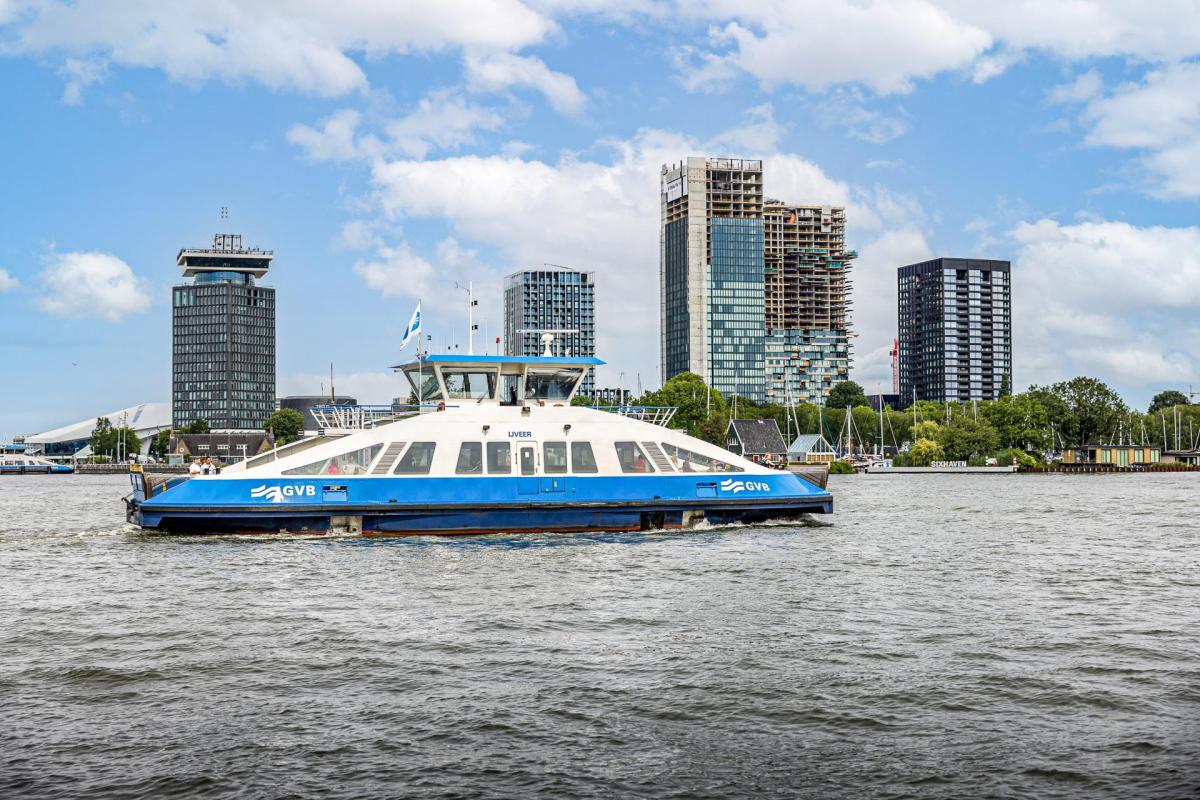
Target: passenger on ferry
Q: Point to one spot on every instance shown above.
(195, 468)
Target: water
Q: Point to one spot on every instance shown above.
(945, 636)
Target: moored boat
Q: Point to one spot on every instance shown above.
(493, 445)
(18, 464)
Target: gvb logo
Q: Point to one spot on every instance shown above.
(276, 494)
(733, 487)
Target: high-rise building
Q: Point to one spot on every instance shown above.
(955, 323)
(554, 302)
(754, 292)
(711, 273)
(223, 337)
(807, 282)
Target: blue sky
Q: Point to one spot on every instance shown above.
(387, 150)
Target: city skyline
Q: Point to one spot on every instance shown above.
(386, 155)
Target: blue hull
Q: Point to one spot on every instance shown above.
(36, 469)
(474, 505)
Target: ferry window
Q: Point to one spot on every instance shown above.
(632, 458)
(417, 460)
(550, 384)
(499, 457)
(528, 467)
(582, 457)
(510, 390)
(427, 380)
(554, 458)
(470, 459)
(355, 462)
(470, 384)
(688, 461)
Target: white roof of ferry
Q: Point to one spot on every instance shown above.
(144, 419)
(463, 358)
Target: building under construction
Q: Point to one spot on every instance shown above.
(806, 275)
(754, 292)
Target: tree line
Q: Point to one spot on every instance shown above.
(1027, 426)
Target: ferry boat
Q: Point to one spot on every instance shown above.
(492, 445)
(19, 464)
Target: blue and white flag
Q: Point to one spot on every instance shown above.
(413, 329)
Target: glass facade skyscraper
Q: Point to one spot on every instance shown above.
(711, 274)
(736, 333)
(223, 337)
(555, 299)
(754, 292)
(955, 323)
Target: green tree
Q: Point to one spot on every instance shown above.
(1020, 420)
(846, 393)
(926, 429)
(104, 437)
(199, 426)
(692, 400)
(287, 424)
(128, 442)
(967, 438)
(161, 445)
(925, 451)
(1093, 409)
(1167, 399)
(1005, 386)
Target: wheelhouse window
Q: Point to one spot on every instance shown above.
(470, 384)
(470, 459)
(551, 384)
(688, 461)
(417, 461)
(356, 462)
(583, 460)
(424, 382)
(499, 458)
(554, 458)
(632, 459)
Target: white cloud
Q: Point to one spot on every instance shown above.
(397, 272)
(847, 108)
(333, 141)
(823, 43)
(443, 120)
(1108, 299)
(80, 74)
(887, 45)
(874, 318)
(91, 285)
(305, 45)
(7, 281)
(497, 71)
(1084, 88)
(1161, 116)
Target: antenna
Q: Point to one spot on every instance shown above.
(471, 303)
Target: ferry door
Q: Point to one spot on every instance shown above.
(527, 480)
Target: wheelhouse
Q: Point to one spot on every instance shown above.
(502, 380)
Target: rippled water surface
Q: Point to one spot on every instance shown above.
(944, 636)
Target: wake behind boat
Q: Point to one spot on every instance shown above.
(494, 445)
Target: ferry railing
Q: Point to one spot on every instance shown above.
(655, 415)
(357, 418)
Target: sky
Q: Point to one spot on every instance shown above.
(387, 150)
